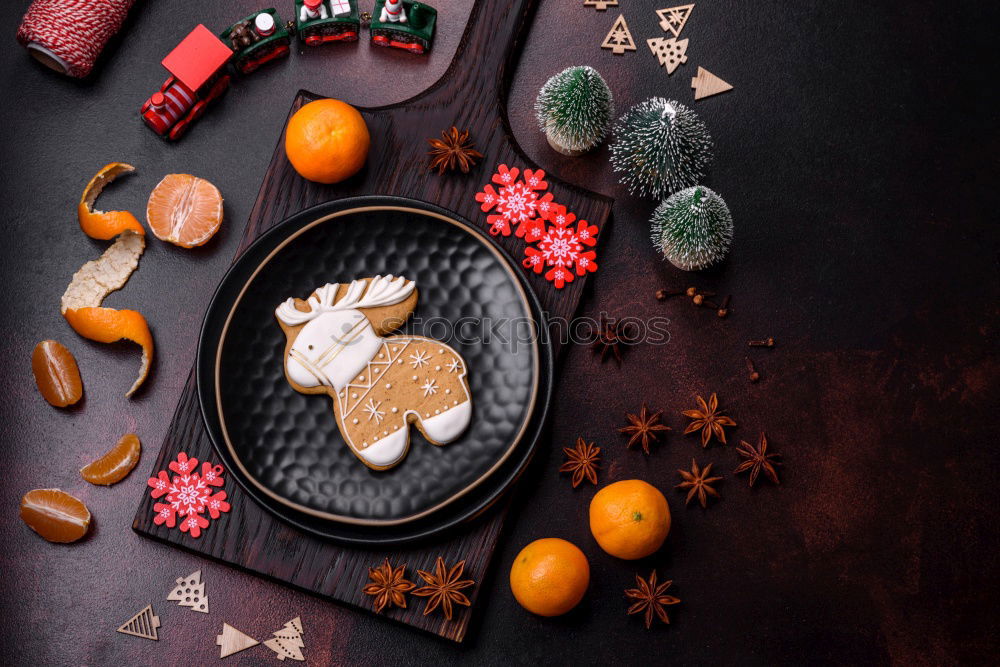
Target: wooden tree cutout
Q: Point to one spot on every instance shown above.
(143, 624)
(672, 19)
(233, 641)
(190, 592)
(669, 52)
(600, 5)
(287, 642)
(707, 84)
(619, 39)
(184, 583)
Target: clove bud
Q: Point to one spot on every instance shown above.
(662, 294)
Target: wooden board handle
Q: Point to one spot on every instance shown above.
(493, 35)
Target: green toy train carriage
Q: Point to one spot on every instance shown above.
(321, 21)
(257, 39)
(415, 34)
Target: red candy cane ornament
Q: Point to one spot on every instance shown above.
(69, 35)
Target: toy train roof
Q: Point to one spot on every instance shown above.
(197, 58)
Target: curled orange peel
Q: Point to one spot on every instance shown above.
(105, 225)
(100, 277)
(108, 325)
(81, 302)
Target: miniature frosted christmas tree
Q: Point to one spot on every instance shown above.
(693, 228)
(661, 146)
(287, 642)
(574, 109)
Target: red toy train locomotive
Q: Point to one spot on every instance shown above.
(197, 78)
(198, 73)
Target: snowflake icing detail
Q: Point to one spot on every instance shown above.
(517, 201)
(372, 408)
(429, 386)
(188, 494)
(561, 248)
(419, 359)
(454, 365)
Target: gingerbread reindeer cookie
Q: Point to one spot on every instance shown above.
(337, 344)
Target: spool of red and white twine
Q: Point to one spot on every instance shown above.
(69, 35)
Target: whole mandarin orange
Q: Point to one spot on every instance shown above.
(549, 576)
(629, 519)
(327, 141)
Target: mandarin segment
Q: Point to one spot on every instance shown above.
(184, 210)
(105, 225)
(107, 325)
(56, 373)
(55, 515)
(116, 464)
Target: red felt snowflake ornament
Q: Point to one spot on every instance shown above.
(188, 495)
(517, 201)
(561, 249)
(563, 244)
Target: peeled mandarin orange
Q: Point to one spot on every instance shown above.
(107, 325)
(56, 373)
(55, 515)
(327, 141)
(550, 576)
(184, 210)
(116, 464)
(105, 224)
(629, 519)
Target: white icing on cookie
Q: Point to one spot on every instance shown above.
(447, 426)
(335, 346)
(387, 451)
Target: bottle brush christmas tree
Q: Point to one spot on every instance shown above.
(574, 109)
(693, 228)
(661, 146)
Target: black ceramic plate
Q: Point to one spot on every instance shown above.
(285, 448)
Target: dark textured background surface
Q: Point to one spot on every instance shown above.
(858, 153)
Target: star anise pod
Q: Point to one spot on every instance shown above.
(650, 598)
(453, 151)
(757, 459)
(609, 339)
(443, 587)
(388, 585)
(644, 428)
(699, 483)
(582, 462)
(709, 419)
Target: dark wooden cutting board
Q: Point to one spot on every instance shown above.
(471, 95)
